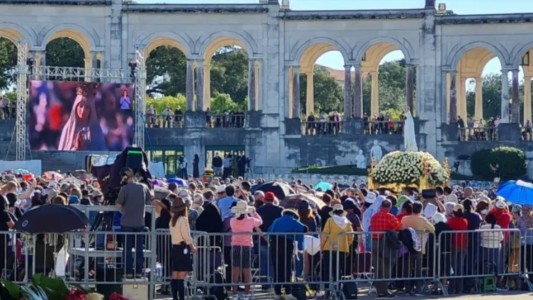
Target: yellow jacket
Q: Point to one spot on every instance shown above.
(335, 238)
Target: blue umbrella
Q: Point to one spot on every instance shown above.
(178, 181)
(323, 186)
(517, 192)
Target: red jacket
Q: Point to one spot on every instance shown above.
(460, 240)
(503, 218)
(383, 221)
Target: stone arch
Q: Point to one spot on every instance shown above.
(457, 52)
(210, 46)
(388, 44)
(311, 50)
(518, 52)
(74, 35)
(16, 34)
(159, 39)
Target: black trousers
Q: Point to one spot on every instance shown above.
(281, 251)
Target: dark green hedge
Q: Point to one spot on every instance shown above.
(512, 162)
(333, 170)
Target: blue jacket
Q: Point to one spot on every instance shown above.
(287, 224)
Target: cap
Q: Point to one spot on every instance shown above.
(269, 196)
(501, 204)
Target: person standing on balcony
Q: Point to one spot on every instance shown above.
(217, 164)
(183, 167)
(227, 164)
(461, 126)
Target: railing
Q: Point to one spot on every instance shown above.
(229, 120)
(211, 121)
(383, 127)
(162, 121)
(321, 127)
(478, 134)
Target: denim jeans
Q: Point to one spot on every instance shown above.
(137, 241)
(265, 265)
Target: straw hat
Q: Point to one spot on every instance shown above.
(336, 208)
(292, 212)
(242, 208)
(178, 205)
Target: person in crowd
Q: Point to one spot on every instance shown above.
(228, 166)
(243, 223)
(162, 222)
(406, 210)
(474, 223)
(417, 222)
(182, 248)
(131, 201)
(196, 166)
(259, 199)
(459, 246)
(6, 223)
(491, 238)
(268, 212)
(325, 210)
(335, 243)
(382, 255)
(217, 164)
(183, 167)
(449, 196)
(285, 230)
(525, 224)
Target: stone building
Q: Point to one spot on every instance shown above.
(441, 51)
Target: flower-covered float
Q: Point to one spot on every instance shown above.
(398, 170)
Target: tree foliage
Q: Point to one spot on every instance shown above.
(512, 163)
(8, 62)
(65, 52)
(173, 103)
(229, 73)
(166, 71)
(391, 89)
(328, 92)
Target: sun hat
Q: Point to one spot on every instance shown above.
(438, 218)
(370, 198)
(242, 208)
(292, 212)
(178, 205)
(221, 189)
(501, 204)
(336, 208)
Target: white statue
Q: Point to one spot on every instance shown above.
(376, 152)
(360, 160)
(409, 137)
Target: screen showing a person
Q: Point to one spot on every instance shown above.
(80, 116)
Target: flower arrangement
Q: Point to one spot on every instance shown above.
(408, 168)
(209, 172)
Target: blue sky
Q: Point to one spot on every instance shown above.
(334, 59)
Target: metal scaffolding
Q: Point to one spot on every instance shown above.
(22, 101)
(26, 71)
(140, 87)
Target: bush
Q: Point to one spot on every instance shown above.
(512, 162)
(161, 103)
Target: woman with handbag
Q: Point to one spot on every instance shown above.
(182, 246)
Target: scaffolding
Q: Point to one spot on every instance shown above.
(27, 72)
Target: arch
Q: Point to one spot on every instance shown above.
(456, 53)
(314, 48)
(74, 32)
(16, 33)
(518, 52)
(473, 61)
(386, 43)
(218, 40)
(152, 41)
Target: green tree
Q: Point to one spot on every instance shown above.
(222, 103)
(166, 71)
(160, 104)
(229, 73)
(8, 62)
(328, 92)
(64, 52)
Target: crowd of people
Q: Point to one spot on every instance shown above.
(259, 230)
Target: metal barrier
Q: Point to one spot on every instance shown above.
(300, 263)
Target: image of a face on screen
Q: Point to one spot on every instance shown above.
(80, 116)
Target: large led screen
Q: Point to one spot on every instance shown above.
(80, 116)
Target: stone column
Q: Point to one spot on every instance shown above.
(478, 114)
(251, 85)
(453, 97)
(257, 68)
(310, 93)
(348, 92)
(189, 84)
(38, 61)
(358, 94)
(527, 98)
(409, 86)
(515, 107)
(505, 98)
(87, 66)
(374, 100)
(206, 82)
(201, 83)
(296, 92)
(461, 98)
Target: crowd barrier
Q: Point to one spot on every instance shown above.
(452, 262)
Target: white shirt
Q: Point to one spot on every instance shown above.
(491, 237)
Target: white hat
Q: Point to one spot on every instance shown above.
(438, 218)
(183, 193)
(370, 197)
(501, 204)
(337, 207)
(221, 189)
(259, 193)
(242, 208)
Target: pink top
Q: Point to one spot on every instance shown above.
(246, 225)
